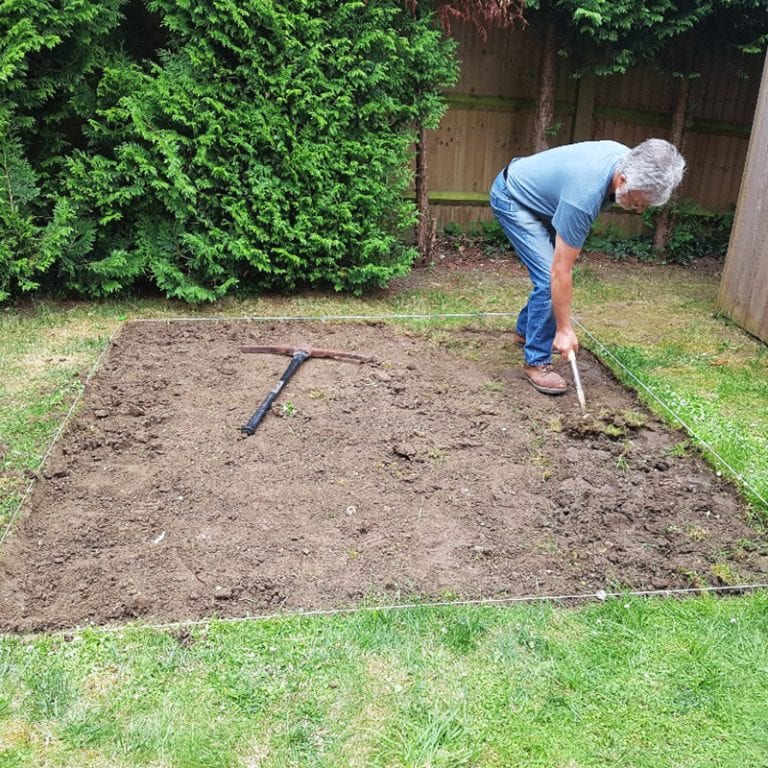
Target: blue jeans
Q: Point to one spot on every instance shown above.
(534, 243)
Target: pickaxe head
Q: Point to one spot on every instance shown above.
(278, 349)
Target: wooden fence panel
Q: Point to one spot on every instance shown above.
(745, 276)
(491, 112)
(472, 146)
(645, 90)
(715, 166)
(506, 64)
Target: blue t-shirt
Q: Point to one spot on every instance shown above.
(567, 186)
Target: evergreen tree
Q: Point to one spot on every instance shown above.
(206, 146)
(268, 148)
(49, 60)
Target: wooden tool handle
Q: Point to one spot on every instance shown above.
(577, 380)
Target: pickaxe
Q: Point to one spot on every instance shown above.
(299, 355)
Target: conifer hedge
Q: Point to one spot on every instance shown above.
(204, 146)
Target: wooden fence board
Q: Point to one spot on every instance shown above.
(743, 286)
(503, 65)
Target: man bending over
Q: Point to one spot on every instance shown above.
(546, 204)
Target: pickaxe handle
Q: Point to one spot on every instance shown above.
(311, 351)
(299, 356)
(577, 380)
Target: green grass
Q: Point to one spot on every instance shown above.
(629, 682)
(45, 359)
(725, 408)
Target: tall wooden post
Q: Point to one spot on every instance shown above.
(744, 285)
(425, 225)
(545, 100)
(585, 108)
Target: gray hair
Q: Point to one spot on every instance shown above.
(654, 168)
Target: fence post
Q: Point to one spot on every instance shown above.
(585, 108)
(744, 284)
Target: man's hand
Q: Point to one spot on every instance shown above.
(565, 341)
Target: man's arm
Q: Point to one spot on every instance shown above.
(562, 293)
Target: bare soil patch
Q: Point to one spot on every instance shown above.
(434, 471)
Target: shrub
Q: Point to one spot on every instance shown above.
(268, 148)
(266, 145)
(611, 241)
(695, 233)
(48, 62)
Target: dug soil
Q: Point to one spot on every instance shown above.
(431, 471)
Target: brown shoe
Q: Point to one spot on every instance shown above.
(545, 379)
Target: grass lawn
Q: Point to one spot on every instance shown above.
(627, 682)
(641, 683)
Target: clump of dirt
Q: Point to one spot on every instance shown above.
(608, 424)
(433, 470)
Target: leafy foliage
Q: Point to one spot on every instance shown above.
(266, 146)
(696, 233)
(615, 243)
(610, 38)
(26, 248)
(48, 58)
